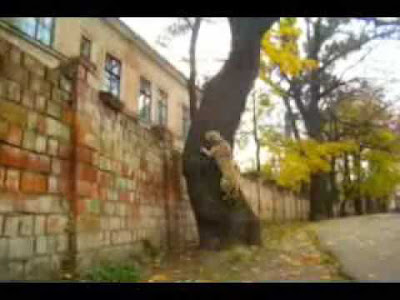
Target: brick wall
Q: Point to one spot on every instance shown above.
(128, 183)
(82, 182)
(35, 105)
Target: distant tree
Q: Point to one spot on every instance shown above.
(298, 161)
(328, 41)
(371, 170)
(258, 109)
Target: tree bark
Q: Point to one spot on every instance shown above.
(318, 195)
(369, 208)
(292, 118)
(258, 150)
(318, 182)
(358, 201)
(333, 191)
(221, 107)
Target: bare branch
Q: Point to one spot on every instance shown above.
(355, 47)
(356, 63)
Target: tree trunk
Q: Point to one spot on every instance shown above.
(258, 158)
(333, 190)
(342, 209)
(346, 182)
(313, 122)
(193, 101)
(318, 197)
(318, 182)
(358, 205)
(369, 208)
(221, 107)
(383, 205)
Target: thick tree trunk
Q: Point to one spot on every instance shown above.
(319, 197)
(318, 182)
(312, 117)
(333, 190)
(222, 104)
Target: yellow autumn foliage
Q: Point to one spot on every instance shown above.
(298, 160)
(279, 49)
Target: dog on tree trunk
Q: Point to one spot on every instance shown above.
(221, 152)
(244, 224)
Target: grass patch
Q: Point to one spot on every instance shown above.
(114, 273)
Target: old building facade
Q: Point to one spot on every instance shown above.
(123, 63)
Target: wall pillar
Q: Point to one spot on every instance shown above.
(76, 70)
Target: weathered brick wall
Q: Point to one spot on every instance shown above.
(79, 181)
(34, 152)
(276, 204)
(127, 184)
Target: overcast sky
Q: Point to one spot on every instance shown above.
(382, 65)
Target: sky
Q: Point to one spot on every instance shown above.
(213, 42)
(382, 65)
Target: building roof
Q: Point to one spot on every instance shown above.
(131, 35)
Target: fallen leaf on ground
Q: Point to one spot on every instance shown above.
(158, 277)
(311, 259)
(290, 260)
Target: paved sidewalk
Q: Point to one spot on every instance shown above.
(368, 247)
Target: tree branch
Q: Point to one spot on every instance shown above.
(352, 49)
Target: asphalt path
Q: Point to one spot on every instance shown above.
(368, 247)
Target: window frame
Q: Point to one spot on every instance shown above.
(17, 24)
(147, 95)
(162, 107)
(84, 38)
(185, 121)
(110, 76)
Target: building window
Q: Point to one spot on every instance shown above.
(162, 108)
(40, 29)
(185, 121)
(112, 76)
(145, 100)
(86, 47)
